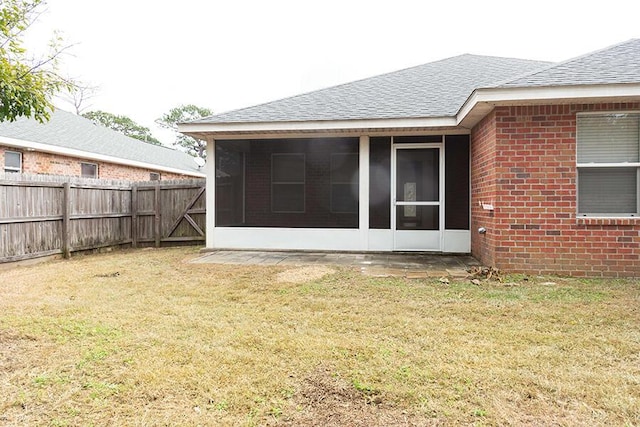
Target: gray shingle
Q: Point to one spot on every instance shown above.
(615, 64)
(436, 89)
(68, 130)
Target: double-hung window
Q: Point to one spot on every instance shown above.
(12, 161)
(608, 162)
(344, 183)
(287, 182)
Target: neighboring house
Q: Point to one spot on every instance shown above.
(73, 145)
(530, 166)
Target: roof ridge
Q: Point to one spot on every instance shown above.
(204, 119)
(567, 61)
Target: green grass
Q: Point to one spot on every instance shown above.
(167, 342)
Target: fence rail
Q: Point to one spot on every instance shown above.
(49, 215)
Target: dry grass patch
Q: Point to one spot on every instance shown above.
(304, 274)
(146, 338)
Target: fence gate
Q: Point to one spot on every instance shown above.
(167, 213)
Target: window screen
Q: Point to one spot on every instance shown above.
(154, 176)
(380, 183)
(344, 183)
(287, 182)
(608, 161)
(456, 182)
(12, 161)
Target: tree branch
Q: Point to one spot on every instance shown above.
(46, 61)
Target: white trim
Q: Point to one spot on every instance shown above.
(338, 239)
(335, 125)
(608, 165)
(392, 194)
(345, 133)
(417, 203)
(555, 92)
(602, 216)
(456, 241)
(86, 155)
(380, 240)
(566, 94)
(418, 240)
(606, 112)
(363, 188)
(325, 239)
(95, 165)
(210, 199)
(476, 106)
(11, 169)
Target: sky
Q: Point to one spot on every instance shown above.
(146, 57)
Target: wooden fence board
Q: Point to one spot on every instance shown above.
(45, 215)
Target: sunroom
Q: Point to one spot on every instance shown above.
(406, 192)
(379, 164)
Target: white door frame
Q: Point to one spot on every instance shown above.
(438, 235)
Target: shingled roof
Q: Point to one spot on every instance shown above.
(612, 65)
(69, 131)
(436, 89)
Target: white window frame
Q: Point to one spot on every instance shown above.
(333, 182)
(303, 182)
(12, 169)
(151, 175)
(95, 165)
(627, 165)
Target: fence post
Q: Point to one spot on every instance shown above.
(134, 216)
(66, 223)
(156, 207)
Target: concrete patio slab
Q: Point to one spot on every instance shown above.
(410, 265)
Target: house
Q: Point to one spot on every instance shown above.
(73, 145)
(529, 166)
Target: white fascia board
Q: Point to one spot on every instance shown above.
(333, 125)
(71, 152)
(508, 95)
(477, 105)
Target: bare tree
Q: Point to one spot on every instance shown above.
(79, 97)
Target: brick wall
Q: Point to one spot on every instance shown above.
(483, 188)
(34, 162)
(524, 162)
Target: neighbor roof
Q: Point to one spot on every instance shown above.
(69, 131)
(436, 89)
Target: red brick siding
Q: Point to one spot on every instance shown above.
(534, 227)
(483, 189)
(34, 162)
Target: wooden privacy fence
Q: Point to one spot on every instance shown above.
(48, 215)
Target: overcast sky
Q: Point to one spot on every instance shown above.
(149, 56)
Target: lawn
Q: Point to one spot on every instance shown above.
(144, 338)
